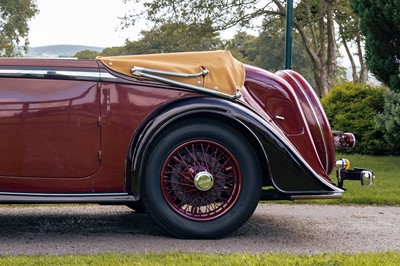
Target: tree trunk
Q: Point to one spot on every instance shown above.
(321, 80)
(321, 45)
(363, 77)
(349, 55)
(330, 31)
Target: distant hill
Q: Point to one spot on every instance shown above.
(61, 50)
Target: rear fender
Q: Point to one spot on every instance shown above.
(206, 107)
(315, 116)
(282, 166)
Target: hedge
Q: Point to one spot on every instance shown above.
(352, 108)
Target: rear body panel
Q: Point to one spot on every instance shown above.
(296, 120)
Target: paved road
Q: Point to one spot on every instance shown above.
(291, 228)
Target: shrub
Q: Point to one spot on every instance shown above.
(389, 120)
(352, 108)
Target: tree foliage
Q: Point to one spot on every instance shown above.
(171, 37)
(271, 55)
(389, 120)
(380, 23)
(14, 29)
(265, 50)
(244, 47)
(223, 14)
(177, 37)
(350, 37)
(116, 50)
(352, 108)
(314, 20)
(87, 54)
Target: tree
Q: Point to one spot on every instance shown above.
(171, 37)
(270, 53)
(14, 29)
(87, 54)
(265, 50)
(389, 120)
(177, 37)
(314, 21)
(350, 34)
(380, 24)
(243, 47)
(112, 51)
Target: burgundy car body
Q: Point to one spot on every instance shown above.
(77, 131)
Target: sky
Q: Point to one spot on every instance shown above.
(82, 22)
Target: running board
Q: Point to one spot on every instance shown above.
(101, 198)
(272, 194)
(313, 197)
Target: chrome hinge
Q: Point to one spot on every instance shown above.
(107, 96)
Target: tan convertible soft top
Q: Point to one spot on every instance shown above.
(226, 74)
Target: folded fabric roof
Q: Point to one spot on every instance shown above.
(226, 74)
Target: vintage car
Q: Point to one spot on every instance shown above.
(195, 140)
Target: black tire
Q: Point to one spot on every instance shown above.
(136, 206)
(194, 213)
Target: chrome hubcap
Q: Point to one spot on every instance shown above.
(204, 181)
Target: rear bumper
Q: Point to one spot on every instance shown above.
(365, 176)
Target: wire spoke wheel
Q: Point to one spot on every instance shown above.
(201, 180)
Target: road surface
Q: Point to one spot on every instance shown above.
(288, 228)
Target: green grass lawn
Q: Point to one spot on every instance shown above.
(194, 259)
(386, 187)
(384, 191)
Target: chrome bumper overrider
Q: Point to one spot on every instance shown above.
(343, 172)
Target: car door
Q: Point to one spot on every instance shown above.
(49, 124)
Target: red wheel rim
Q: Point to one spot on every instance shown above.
(186, 180)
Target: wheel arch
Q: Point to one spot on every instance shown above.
(215, 109)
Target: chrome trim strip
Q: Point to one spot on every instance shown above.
(51, 72)
(23, 71)
(308, 197)
(89, 74)
(63, 194)
(106, 75)
(65, 197)
(315, 116)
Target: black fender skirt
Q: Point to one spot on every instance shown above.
(287, 171)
